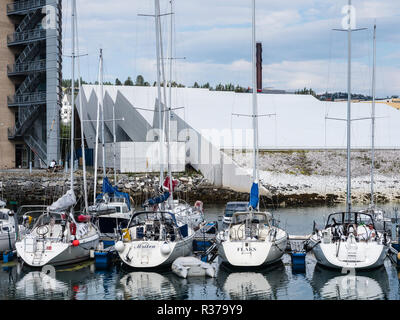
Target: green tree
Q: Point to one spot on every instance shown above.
(139, 80)
(128, 82)
(118, 82)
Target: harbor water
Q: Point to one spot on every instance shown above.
(85, 281)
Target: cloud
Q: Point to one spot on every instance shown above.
(215, 38)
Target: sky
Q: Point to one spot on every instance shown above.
(212, 42)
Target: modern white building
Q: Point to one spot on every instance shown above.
(208, 121)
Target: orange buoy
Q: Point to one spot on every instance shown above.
(75, 243)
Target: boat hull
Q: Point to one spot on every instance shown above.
(252, 253)
(5, 242)
(148, 254)
(370, 255)
(55, 253)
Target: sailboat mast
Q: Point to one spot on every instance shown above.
(348, 200)
(255, 107)
(96, 151)
(81, 120)
(373, 120)
(73, 95)
(160, 113)
(171, 198)
(114, 147)
(102, 113)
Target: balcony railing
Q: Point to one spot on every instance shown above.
(26, 36)
(24, 68)
(20, 6)
(26, 99)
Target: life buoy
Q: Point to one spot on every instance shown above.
(72, 228)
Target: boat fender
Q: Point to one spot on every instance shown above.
(398, 256)
(72, 228)
(75, 243)
(165, 248)
(199, 205)
(119, 246)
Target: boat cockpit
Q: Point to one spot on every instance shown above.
(250, 226)
(342, 225)
(154, 226)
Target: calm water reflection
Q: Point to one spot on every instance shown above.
(86, 282)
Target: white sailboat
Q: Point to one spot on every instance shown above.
(57, 237)
(184, 212)
(112, 209)
(350, 239)
(155, 238)
(8, 228)
(251, 240)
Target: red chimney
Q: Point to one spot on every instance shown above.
(259, 66)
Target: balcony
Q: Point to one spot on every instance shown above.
(17, 38)
(21, 7)
(27, 67)
(19, 100)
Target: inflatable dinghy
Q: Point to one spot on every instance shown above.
(193, 267)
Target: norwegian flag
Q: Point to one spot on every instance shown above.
(167, 184)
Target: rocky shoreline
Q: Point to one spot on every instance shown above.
(288, 190)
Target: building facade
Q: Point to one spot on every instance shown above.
(31, 68)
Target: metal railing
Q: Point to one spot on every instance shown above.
(26, 67)
(24, 5)
(26, 36)
(38, 147)
(26, 99)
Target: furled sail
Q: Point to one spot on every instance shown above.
(254, 196)
(64, 203)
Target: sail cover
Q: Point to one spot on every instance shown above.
(159, 199)
(64, 203)
(113, 192)
(254, 198)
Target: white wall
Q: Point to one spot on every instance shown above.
(136, 157)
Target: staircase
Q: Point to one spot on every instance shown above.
(20, 7)
(29, 52)
(38, 147)
(30, 82)
(26, 118)
(31, 19)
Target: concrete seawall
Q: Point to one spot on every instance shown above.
(292, 178)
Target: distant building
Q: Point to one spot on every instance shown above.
(66, 109)
(30, 81)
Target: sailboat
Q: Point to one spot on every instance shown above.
(350, 239)
(184, 212)
(59, 237)
(251, 240)
(111, 208)
(382, 223)
(8, 228)
(155, 238)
